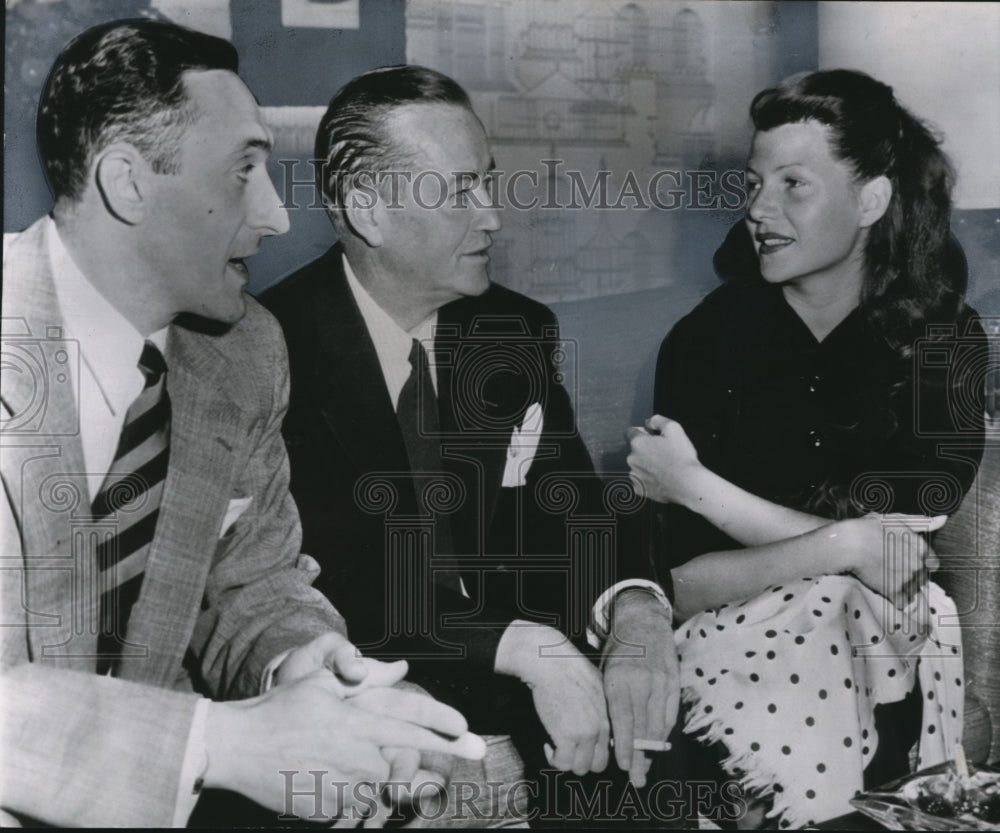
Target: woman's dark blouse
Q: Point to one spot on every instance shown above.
(818, 426)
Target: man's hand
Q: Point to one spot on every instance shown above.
(307, 725)
(641, 677)
(414, 770)
(417, 785)
(414, 775)
(335, 653)
(567, 691)
(663, 463)
(887, 552)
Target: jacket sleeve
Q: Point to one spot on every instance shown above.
(259, 599)
(91, 751)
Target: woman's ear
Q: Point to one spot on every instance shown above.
(118, 171)
(874, 200)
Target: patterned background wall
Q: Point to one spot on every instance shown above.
(608, 103)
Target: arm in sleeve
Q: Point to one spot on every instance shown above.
(86, 750)
(259, 599)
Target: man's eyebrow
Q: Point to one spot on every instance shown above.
(750, 169)
(255, 143)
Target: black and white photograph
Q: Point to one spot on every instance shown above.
(558, 414)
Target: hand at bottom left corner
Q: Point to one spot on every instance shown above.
(304, 750)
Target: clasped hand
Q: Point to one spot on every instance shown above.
(347, 717)
(889, 553)
(567, 693)
(662, 461)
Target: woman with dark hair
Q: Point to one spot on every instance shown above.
(831, 383)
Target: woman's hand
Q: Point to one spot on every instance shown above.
(663, 462)
(888, 553)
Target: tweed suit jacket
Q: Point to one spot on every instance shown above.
(214, 609)
(494, 358)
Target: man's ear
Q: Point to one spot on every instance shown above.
(874, 200)
(120, 172)
(364, 212)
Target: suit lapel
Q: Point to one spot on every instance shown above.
(43, 468)
(42, 458)
(350, 388)
(204, 425)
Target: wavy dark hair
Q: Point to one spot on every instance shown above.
(122, 81)
(914, 270)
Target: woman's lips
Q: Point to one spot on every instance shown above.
(771, 243)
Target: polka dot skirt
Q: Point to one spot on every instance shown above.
(789, 680)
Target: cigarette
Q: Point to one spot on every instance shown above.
(642, 745)
(961, 766)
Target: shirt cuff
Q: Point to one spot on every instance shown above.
(267, 678)
(194, 766)
(601, 611)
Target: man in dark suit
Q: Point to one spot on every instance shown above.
(435, 458)
(147, 530)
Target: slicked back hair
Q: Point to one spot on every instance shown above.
(354, 139)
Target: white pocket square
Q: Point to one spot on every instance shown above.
(523, 444)
(237, 506)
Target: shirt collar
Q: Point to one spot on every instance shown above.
(109, 344)
(392, 342)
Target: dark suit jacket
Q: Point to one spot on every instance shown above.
(520, 550)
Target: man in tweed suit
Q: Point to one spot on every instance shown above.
(155, 152)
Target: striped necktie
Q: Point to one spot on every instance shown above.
(133, 489)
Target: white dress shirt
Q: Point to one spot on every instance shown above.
(107, 379)
(392, 342)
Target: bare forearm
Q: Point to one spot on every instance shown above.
(716, 578)
(743, 516)
(665, 467)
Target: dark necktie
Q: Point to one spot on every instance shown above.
(132, 490)
(417, 412)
